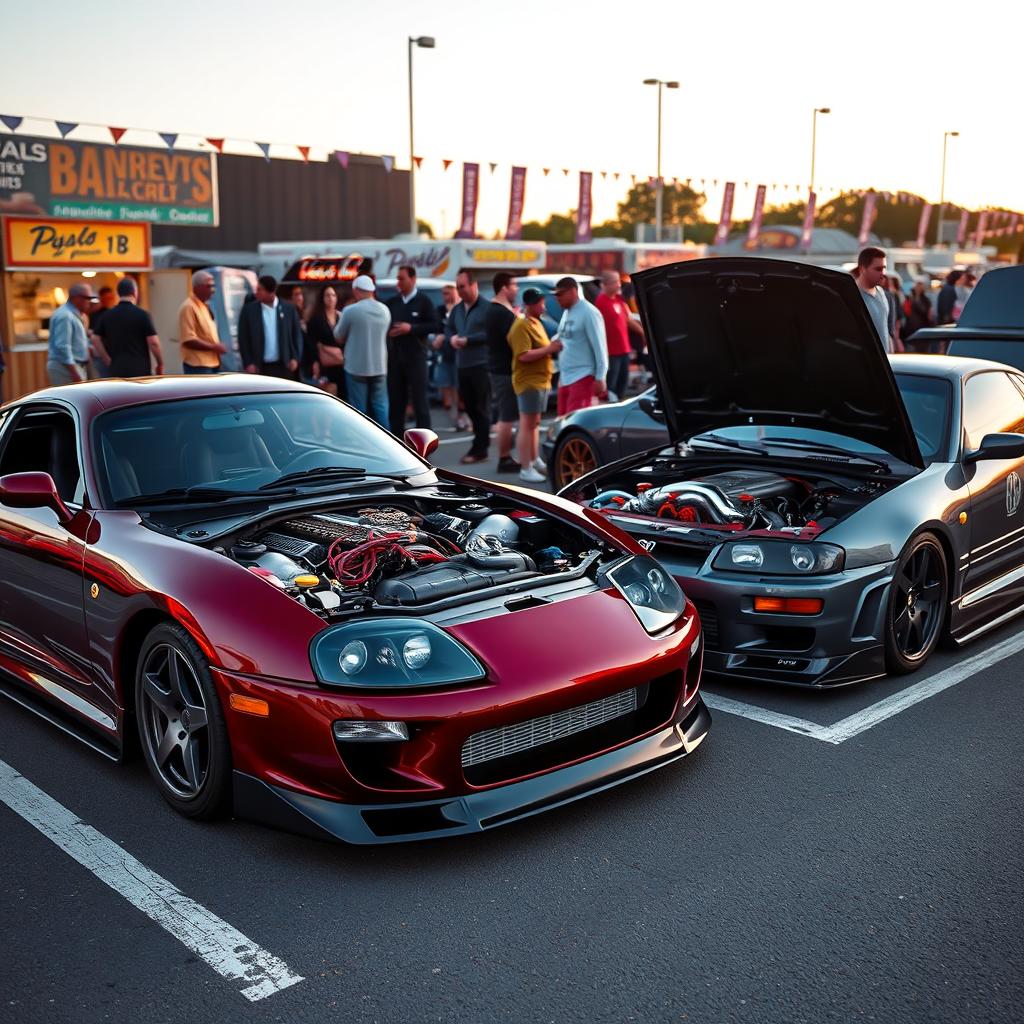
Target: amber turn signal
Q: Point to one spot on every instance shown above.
(249, 705)
(789, 605)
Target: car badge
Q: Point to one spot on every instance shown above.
(1013, 489)
(647, 545)
(94, 590)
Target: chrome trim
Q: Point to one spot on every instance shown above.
(995, 551)
(992, 587)
(1005, 617)
(981, 547)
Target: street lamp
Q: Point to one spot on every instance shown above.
(426, 43)
(946, 136)
(814, 137)
(658, 195)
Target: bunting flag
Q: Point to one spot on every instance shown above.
(116, 134)
(170, 138)
(547, 171)
(868, 219)
(584, 209)
(304, 151)
(470, 195)
(565, 171)
(342, 157)
(808, 232)
(922, 224)
(388, 162)
(615, 175)
(447, 164)
(755, 221)
(961, 231)
(604, 174)
(492, 167)
(418, 161)
(66, 127)
(218, 144)
(632, 178)
(12, 122)
(517, 196)
(725, 221)
(265, 150)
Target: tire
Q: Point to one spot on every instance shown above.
(916, 610)
(575, 455)
(181, 724)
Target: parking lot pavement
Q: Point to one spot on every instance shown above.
(768, 878)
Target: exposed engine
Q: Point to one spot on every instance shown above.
(739, 500)
(389, 556)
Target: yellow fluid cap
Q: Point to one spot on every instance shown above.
(307, 581)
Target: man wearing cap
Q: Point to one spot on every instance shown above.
(269, 333)
(201, 349)
(363, 331)
(531, 381)
(68, 355)
(583, 365)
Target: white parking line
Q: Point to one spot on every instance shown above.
(886, 708)
(224, 948)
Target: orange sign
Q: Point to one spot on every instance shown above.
(32, 243)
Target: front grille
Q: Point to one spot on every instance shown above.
(508, 740)
(709, 623)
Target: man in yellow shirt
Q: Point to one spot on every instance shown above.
(201, 349)
(531, 381)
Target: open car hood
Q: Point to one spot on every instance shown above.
(997, 301)
(755, 341)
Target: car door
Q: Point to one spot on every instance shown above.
(993, 404)
(43, 639)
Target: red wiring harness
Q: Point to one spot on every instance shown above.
(387, 551)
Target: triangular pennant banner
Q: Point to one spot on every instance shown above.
(492, 167)
(604, 174)
(632, 178)
(565, 171)
(342, 157)
(418, 161)
(388, 162)
(615, 175)
(12, 122)
(265, 150)
(170, 138)
(66, 128)
(447, 164)
(116, 134)
(304, 150)
(547, 171)
(218, 144)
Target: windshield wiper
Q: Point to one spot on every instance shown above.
(329, 473)
(801, 442)
(182, 496)
(729, 442)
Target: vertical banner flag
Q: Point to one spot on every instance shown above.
(755, 221)
(961, 232)
(922, 224)
(470, 192)
(979, 238)
(808, 232)
(725, 222)
(583, 210)
(516, 197)
(868, 219)
(1013, 223)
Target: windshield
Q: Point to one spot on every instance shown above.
(237, 443)
(927, 400)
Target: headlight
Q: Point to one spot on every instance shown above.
(651, 591)
(391, 653)
(779, 559)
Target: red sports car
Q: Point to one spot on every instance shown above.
(302, 619)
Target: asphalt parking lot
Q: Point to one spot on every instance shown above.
(853, 855)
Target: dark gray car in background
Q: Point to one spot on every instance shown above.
(831, 513)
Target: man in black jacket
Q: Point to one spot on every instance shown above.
(413, 319)
(269, 333)
(947, 298)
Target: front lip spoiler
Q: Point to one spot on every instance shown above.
(369, 824)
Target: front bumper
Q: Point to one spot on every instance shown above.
(366, 824)
(843, 644)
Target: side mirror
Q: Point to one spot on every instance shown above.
(998, 446)
(34, 490)
(650, 406)
(423, 442)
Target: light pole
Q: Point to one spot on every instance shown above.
(814, 137)
(946, 136)
(658, 194)
(426, 43)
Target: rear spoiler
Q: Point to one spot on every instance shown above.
(953, 333)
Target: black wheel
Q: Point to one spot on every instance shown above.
(575, 456)
(917, 605)
(181, 724)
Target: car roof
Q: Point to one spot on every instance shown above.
(950, 367)
(95, 396)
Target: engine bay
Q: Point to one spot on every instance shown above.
(409, 553)
(737, 500)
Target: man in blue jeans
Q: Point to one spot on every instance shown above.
(363, 333)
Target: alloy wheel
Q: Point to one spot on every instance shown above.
(918, 604)
(576, 458)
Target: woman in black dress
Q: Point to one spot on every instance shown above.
(328, 360)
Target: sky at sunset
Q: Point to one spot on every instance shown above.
(552, 85)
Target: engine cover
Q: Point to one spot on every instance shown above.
(742, 484)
